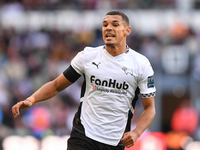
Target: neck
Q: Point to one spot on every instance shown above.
(115, 50)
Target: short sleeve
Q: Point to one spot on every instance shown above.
(146, 80)
(77, 63)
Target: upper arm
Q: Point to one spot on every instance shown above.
(68, 77)
(148, 102)
(61, 82)
(146, 80)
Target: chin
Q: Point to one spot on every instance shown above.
(110, 44)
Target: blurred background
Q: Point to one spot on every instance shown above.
(38, 39)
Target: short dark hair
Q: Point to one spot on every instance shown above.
(124, 17)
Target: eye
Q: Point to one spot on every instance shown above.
(115, 25)
(105, 25)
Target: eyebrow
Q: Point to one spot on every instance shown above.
(112, 21)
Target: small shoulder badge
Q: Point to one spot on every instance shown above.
(150, 82)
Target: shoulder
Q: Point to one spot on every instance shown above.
(90, 52)
(138, 58)
(89, 49)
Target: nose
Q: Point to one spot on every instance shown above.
(109, 27)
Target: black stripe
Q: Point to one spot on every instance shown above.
(71, 74)
(83, 87)
(77, 121)
(130, 114)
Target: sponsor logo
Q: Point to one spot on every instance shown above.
(97, 65)
(109, 83)
(116, 91)
(93, 86)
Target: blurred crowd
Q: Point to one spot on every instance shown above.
(103, 4)
(90, 4)
(28, 59)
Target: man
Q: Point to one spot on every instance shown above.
(114, 74)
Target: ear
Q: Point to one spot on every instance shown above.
(127, 31)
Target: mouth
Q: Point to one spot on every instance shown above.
(110, 36)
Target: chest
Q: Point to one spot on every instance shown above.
(111, 72)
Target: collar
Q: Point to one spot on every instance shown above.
(127, 48)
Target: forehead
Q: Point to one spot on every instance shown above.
(113, 18)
